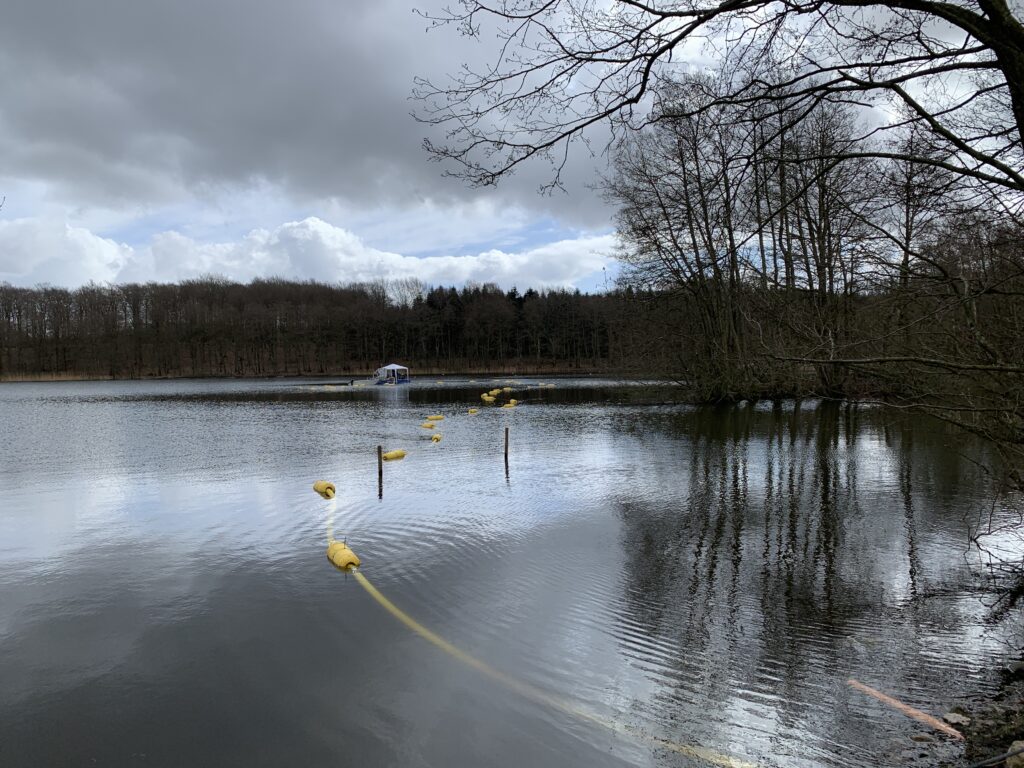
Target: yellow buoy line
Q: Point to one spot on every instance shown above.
(325, 489)
(343, 558)
(432, 422)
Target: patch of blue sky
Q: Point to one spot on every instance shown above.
(204, 223)
(534, 234)
(601, 281)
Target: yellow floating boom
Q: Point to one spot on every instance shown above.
(341, 556)
(325, 488)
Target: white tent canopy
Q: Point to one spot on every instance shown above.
(392, 374)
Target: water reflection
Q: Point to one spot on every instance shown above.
(708, 576)
(789, 556)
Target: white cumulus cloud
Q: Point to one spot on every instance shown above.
(34, 250)
(38, 250)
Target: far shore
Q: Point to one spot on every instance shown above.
(358, 375)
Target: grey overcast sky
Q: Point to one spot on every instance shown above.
(161, 141)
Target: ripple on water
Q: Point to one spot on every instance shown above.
(710, 577)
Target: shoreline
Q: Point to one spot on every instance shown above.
(997, 721)
(341, 375)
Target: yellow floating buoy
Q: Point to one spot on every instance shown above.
(398, 453)
(513, 401)
(474, 410)
(339, 553)
(438, 417)
(508, 405)
(487, 398)
(506, 389)
(435, 438)
(428, 425)
(325, 488)
(494, 392)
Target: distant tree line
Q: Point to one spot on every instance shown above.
(215, 327)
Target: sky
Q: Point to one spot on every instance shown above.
(245, 138)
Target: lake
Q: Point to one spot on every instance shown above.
(641, 585)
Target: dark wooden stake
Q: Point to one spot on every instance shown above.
(506, 453)
(380, 472)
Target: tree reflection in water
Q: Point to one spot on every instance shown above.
(787, 547)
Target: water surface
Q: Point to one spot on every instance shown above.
(707, 577)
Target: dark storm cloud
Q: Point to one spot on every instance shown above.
(121, 101)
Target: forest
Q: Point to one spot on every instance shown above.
(214, 327)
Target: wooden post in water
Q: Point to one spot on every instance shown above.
(506, 452)
(380, 472)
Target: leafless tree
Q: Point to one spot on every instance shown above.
(564, 67)
(741, 226)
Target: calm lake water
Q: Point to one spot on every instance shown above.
(705, 577)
